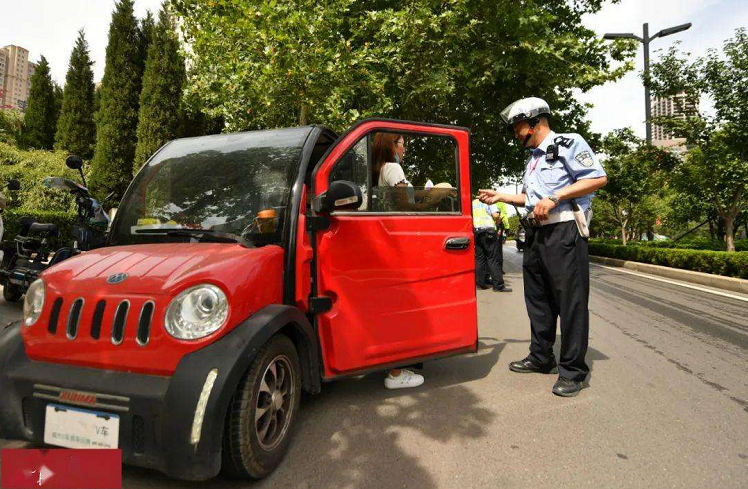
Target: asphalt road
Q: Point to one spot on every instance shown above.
(666, 406)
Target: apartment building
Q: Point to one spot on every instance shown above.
(677, 105)
(15, 77)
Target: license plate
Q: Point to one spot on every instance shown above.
(70, 427)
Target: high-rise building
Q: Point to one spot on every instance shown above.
(15, 77)
(680, 106)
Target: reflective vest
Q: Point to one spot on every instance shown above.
(481, 217)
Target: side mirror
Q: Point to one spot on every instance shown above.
(74, 162)
(14, 184)
(341, 195)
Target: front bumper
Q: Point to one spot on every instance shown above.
(156, 412)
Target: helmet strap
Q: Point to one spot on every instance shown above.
(533, 122)
(527, 138)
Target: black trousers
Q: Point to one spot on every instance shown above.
(556, 272)
(488, 259)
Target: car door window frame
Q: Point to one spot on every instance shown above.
(370, 184)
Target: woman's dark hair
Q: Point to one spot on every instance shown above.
(383, 151)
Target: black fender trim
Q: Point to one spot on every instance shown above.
(232, 356)
(11, 351)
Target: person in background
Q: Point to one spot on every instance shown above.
(498, 212)
(487, 247)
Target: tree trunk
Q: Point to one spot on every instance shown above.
(303, 114)
(622, 221)
(729, 234)
(711, 229)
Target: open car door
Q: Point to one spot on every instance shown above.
(397, 267)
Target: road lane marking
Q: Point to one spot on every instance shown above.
(688, 286)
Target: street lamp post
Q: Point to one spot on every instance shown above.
(645, 40)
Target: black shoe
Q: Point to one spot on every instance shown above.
(505, 288)
(483, 287)
(567, 387)
(527, 366)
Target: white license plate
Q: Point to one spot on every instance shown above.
(70, 427)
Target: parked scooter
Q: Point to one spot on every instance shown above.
(31, 255)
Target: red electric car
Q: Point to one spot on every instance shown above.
(240, 270)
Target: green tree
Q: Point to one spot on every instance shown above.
(59, 95)
(634, 179)
(40, 119)
(268, 64)
(146, 28)
(76, 130)
(716, 167)
(117, 118)
(160, 101)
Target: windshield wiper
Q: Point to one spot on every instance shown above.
(216, 236)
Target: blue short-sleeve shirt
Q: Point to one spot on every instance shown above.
(542, 178)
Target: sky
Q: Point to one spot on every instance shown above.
(50, 27)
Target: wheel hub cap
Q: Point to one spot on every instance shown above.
(274, 403)
(277, 400)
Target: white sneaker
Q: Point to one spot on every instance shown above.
(403, 381)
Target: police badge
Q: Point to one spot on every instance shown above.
(585, 159)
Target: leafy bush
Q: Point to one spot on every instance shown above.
(63, 220)
(683, 244)
(30, 168)
(34, 199)
(715, 262)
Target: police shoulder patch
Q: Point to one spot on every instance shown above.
(585, 159)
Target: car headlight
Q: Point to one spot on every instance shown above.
(34, 302)
(196, 312)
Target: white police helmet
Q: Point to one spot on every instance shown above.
(525, 109)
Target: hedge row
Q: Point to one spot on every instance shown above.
(63, 220)
(683, 244)
(715, 262)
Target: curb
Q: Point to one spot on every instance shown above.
(701, 278)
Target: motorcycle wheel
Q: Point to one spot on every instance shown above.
(12, 293)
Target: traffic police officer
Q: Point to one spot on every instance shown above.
(560, 177)
(487, 248)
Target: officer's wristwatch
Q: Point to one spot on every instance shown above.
(553, 198)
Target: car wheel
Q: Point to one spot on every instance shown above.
(263, 411)
(12, 293)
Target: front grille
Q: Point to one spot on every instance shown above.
(144, 323)
(97, 318)
(120, 320)
(73, 318)
(80, 314)
(54, 316)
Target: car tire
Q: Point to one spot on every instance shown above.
(12, 293)
(262, 413)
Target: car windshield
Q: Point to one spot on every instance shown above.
(236, 184)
